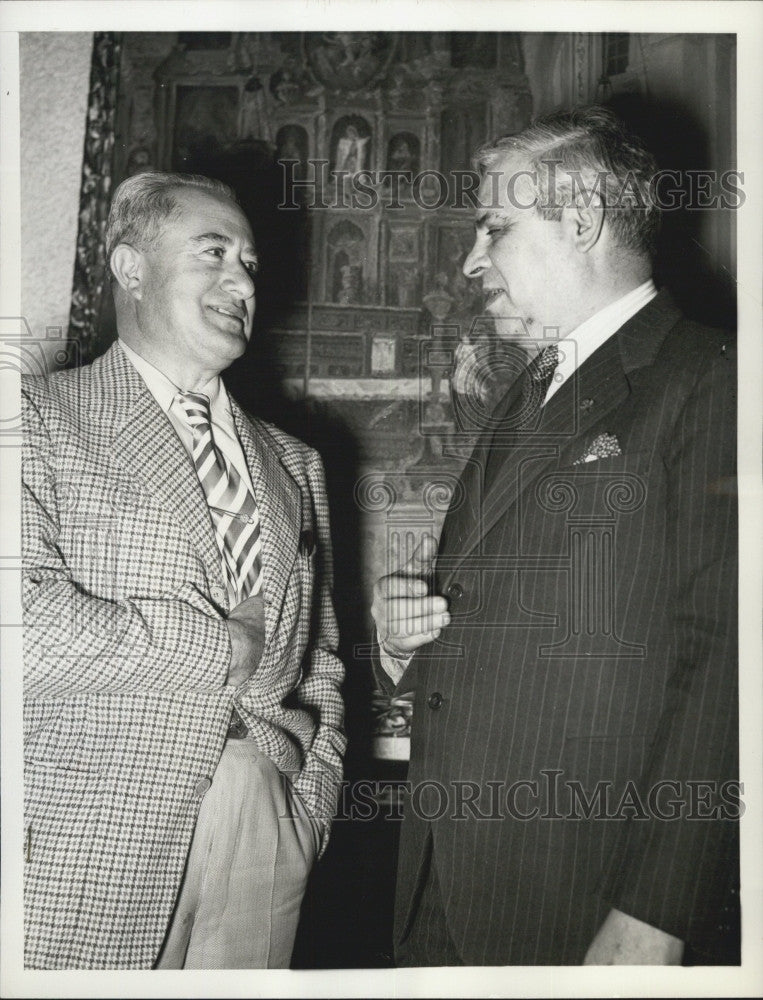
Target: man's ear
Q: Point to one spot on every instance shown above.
(127, 267)
(585, 221)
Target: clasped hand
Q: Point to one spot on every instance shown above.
(407, 615)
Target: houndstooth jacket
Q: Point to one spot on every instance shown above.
(126, 654)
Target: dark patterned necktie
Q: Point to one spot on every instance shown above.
(231, 505)
(538, 377)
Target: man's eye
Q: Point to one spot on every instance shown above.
(251, 266)
(215, 251)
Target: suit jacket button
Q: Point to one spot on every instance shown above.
(455, 591)
(435, 700)
(202, 787)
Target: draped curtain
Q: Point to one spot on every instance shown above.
(90, 266)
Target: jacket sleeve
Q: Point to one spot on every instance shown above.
(76, 642)
(680, 874)
(319, 691)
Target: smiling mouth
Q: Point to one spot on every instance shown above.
(492, 295)
(231, 312)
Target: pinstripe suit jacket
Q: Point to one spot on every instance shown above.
(593, 641)
(126, 656)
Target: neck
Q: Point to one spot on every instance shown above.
(187, 377)
(621, 275)
(621, 285)
(604, 292)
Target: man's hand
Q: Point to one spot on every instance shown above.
(246, 627)
(405, 613)
(623, 940)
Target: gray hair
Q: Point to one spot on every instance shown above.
(142, 203)
(582, 152)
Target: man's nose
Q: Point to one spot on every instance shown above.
(238, 280)
(477, 261)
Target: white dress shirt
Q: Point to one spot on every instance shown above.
(578, 346)
(224, 431)
(574, 349)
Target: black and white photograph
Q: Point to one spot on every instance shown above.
(381, 535)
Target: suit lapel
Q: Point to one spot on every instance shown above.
(466, 504)
(279, 500)
(146, 445)
(596, 389)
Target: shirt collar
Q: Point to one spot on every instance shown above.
(164, 390)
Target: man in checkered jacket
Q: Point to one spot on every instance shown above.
(183, 718)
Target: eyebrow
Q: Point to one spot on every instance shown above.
(221, 238)
(484, 218)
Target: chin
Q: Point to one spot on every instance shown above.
(223, 354)
(512, 328)
(237, 349)
(233, 338)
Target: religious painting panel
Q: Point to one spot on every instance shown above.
(406, 152)
(290, 85)
(293, 143)
(206, 123)
(405, 264)
(348, 259)
(254, 119)
(351, 145)
(348, 60)
(297, 142)
(383, 355)
(462, 129)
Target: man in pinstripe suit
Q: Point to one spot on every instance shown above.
(571, 639)
(183, 721)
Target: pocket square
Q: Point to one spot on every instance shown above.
(603, 446)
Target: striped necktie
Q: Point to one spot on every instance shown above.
(232, 508)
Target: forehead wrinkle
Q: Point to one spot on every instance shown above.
(217, 237)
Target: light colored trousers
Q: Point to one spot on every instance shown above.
(252, 850)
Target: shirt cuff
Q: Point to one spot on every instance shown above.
(393, 666)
